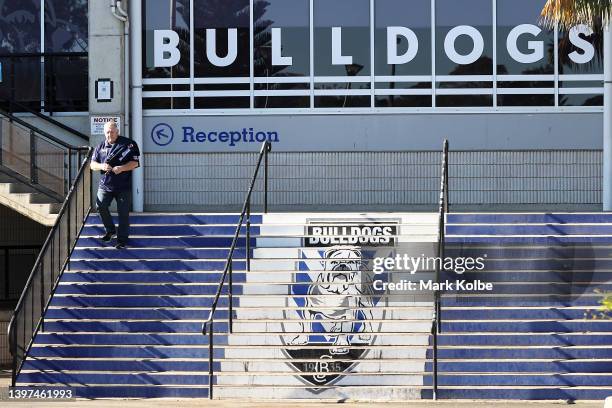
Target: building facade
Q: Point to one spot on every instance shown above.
(352, 94)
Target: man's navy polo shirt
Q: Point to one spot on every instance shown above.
(123, 151)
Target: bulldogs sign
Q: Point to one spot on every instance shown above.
(335, 303)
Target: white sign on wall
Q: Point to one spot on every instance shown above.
(97, 124)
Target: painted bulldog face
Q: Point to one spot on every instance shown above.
(341, 266)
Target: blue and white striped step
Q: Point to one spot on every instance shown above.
(175, 230)
(528, 393)
(156, 253)
(529, 218)
(166, 242)
(178, 219)
(529, 379)
(525, 339)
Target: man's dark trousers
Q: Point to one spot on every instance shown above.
(123, 198)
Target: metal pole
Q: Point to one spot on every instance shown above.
(607, 121)
(267, 149)
(248, 236)
(13, 340)
(42, 293)
(435, 362)
(67, 214)
(135, 28)
(69, 171)
(230, 299)
(210, 359)
(33, 175)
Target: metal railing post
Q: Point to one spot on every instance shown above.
(67, 184)
(33, 170)
(267, 149)
(13, 345)
(68, 211)
(435, 363)
(42, 293)
(248, 237)
(230, 300)
(210, 359)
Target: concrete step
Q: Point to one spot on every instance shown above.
(223, 352)
(256, 314)
(528, 218)
(197, 339)
(239, 327)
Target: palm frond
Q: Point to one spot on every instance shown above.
(569, 13)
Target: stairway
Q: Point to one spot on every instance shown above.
(27, 201)
(127, 323)
(534, 337)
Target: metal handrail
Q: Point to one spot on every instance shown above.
(46, 118)
(41, 132)
(55, 271)
(442, 211)
(36, 134)
(208, 325)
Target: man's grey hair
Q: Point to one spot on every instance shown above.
(111, 124)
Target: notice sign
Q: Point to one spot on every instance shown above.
(97, 123)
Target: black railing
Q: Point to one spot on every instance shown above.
(50, 81)
(442, 211)
(16, 107)
(53, 258)
(208, 325)
(35, 157)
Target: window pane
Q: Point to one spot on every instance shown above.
(351, 20)
(415, 16)
(290, 20)
(228, 56)
(465, 27)
(166, 15)
(66, 83)
(473, 13)
(580, 52)
(524, 48)
(21, 80)
(66, 25)
(20, 26)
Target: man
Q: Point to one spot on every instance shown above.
(115, 158)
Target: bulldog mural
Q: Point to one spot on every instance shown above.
(340, 300)
(333, 298)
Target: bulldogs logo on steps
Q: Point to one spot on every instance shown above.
(335, 306)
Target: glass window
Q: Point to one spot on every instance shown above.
(20, 26)
(580, 53)
(166, 15)
(281, 51)
(222, 43)
(342, 49)
(66, 79)
(21, 80)
(464, 46)
(408, 26)
(524, 48)
(66, 25)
